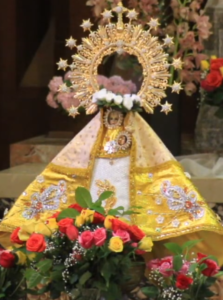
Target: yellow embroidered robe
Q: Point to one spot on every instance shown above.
(172, 208)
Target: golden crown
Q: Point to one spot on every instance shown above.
(121, 37)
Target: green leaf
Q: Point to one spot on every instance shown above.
(85, 277)
(190, 244)
(68, 213)
(219, 274)
(177, 262)
(150, 292)
(56, 275)
(98, 209)
(45, 265)
(34, 280)
(105, 195)
(174, 248)
(73, 278)
(106, 271)
(83, 197)
(210, 281)
(193, 267)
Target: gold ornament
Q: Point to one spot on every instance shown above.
(120, 37)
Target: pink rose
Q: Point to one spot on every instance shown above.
(51, 101)
(72, 233)
(153, 264)
(166, 264)
(86, 239)
(55, 83)
(100, 236)
(123, 234)
(185, 268)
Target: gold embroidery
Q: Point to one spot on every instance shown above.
(107, 186)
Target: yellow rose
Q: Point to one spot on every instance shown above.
(52, 224)
(107, 222)
(116, 244)
(79, 221)
(146, 244)
(42, 229)
(31, 256)
(221, 70)
(23, 235)
(213, 56)
(88, 215)
(21, 258)
(205, 65)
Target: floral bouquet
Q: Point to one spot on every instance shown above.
(212, 84)
(183, 23)
(81, 249)
(182, 276)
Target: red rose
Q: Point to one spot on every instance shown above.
(98, 218)
(138, 251)
(136, 233)
(212, 81)
(216, 64)
(77, 256)
(7, 259)
(36, 243)
(76, 206)
(14, 237)
(100, 236)
(86, 239)
(54, 216)
(64, 223)
(212, 267)
(117, 224)
(72, 233)
(183, 282)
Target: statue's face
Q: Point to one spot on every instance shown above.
(113, 118)
(122, 140)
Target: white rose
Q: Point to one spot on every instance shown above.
(118, 99)
(102, 94)
(136, 98)
(127, 101)
(109, 97)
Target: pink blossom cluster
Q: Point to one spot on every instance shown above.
(185, 21)
(116, 84)
(64, 99)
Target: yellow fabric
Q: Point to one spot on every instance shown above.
(171, 207)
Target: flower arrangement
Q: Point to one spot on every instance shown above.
(183, 275)
(184, 20)
(119, 93)
(79, 249)
(212, 83)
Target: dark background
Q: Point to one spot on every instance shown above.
(23, 110)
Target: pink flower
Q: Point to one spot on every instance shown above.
(67, 75)
(100, 236)
(190, 88)
(102, 81)
(51, 101)
(203, 26)
(166, 264)
(153, 264)
(72, 233)
(123, 234)
(55, 83)
(67, 100)
(86, 239)
(185, 268)
(184, 12)
(188, 63)
(188, 41)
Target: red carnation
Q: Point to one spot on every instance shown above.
(136, 233)
(15, 238)
(76, 207)
(117, 224)
(98, 218)
(183, 282)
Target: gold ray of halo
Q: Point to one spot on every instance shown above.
(119, 37)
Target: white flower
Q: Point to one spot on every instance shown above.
(99, 95)
(109, 97)
(136, 98)
(118, 99)
(127, 101)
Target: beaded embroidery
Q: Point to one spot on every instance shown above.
(178, 199)
(47, 200)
